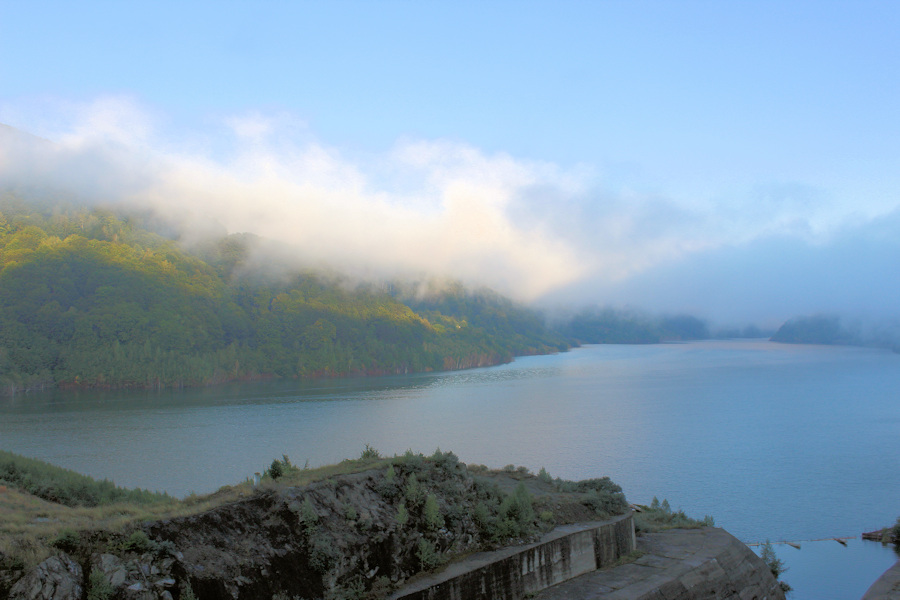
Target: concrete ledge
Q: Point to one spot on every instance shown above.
(512, 573)
(682, 564)
(886, 587)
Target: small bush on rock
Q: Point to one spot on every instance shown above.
(369, 453)
(433, 518)
(67, 540)
(139, 543)
(427, 554)
(99, 587)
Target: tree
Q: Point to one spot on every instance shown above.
(775, 564)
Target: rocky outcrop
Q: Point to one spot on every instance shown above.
(304, 542)
(57, 578)
(363, 534)
(145, 577)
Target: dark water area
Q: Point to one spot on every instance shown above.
(777, 442)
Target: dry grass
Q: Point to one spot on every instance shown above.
(29, 525)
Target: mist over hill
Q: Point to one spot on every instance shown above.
(90, 298)
(125, 264)
(543, 234)
(101, 298)
(840, 330)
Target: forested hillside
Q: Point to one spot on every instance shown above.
(90, 298)
(611, 326)
(833, 330)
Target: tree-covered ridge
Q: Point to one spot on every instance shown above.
(611, 326)
(91, 298)
(834, 330)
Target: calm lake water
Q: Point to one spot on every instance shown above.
(778, 442)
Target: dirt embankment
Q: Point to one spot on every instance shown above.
(353, 535)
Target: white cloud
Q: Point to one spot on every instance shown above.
(528, 228)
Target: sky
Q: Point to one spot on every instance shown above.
(735, 160)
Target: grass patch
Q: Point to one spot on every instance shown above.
(66, 487)
(627, 558)
(660, 517)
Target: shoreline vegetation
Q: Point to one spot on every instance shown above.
(434, 507)
(886, 535)
(102, 299)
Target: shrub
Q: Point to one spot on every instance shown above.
(63, 486)
(412, 462)
(187, 593)
(308, 515)
(413, 491)
(139, 543)
(166, 548)
(427, 554)
(516, 514)
(388, 487)
(605, 502)
(543, 475)
(895, 532)
(67, 540)
(775, 564)
(321, 552)
(402, 516)
(350, 512)
(275, 469)
(659, 517)
(433, 518)
(446, 461)
(99, 587)
(280, 468)
(369, 453)
(483, 518)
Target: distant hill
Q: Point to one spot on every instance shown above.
(611, 326)
(834, 330)
(90, 298)
(819, 329)
(93, 298)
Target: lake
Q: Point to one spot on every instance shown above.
(779, 442)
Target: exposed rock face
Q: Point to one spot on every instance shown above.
(57, 578)
(147, 577)
(306, 541)
(356, 535)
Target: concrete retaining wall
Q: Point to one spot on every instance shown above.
(679, 564)
(512, 573)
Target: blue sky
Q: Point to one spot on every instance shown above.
(629, 153)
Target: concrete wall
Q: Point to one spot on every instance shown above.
(680, 564)
(512, 573)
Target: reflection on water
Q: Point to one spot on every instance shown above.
(775, 441)
(826, 569)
